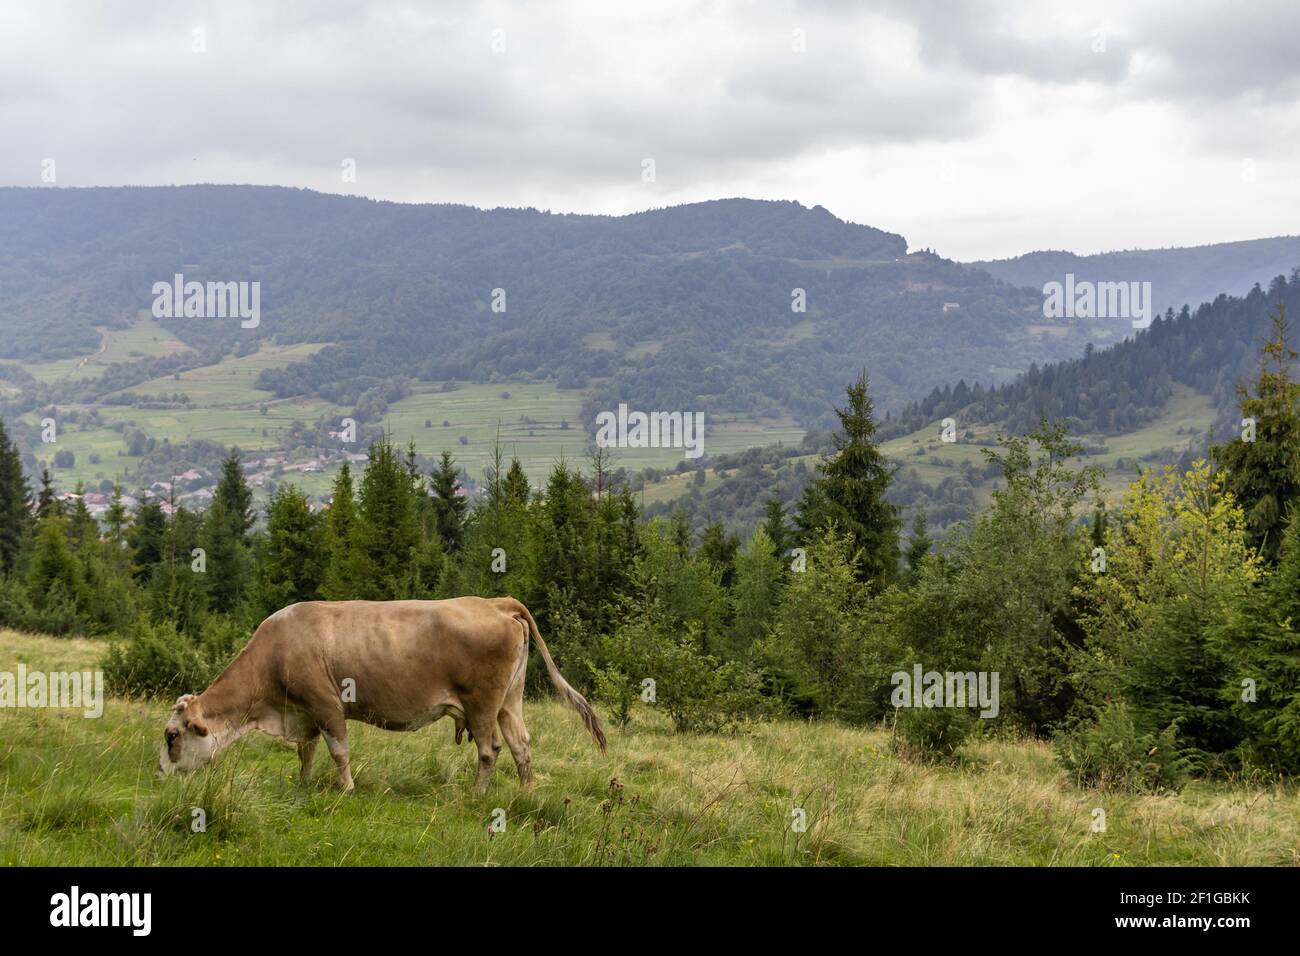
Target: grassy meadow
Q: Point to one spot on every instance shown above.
(86, 792)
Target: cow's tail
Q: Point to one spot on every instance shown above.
(576, 700)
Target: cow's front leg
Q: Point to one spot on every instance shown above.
(338, 745)
(306, 754)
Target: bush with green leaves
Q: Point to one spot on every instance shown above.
(160, 661)
(1109, 752)
(931, 733)
(698, 692)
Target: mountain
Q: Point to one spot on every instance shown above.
(684, 308)
(1159, 397)
(1178, 276)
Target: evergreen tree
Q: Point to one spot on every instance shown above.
(1261, 641)
(1264, 474)
(775, 527)
(849, 492)
(54, 574)
(343, 570)
(449, 505)
(755, 594)
(46, 502)
(236, 497)
(292, 562)
(146, 537)
(387, 530)
(515, 487)
(920, 543)
(720, 548)
(15, 505)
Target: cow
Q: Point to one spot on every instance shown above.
(310, 668)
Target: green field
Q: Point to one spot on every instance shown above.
(1186, 418)
(77, 791)
(146, 338)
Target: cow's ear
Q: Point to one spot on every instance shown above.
(199, 727)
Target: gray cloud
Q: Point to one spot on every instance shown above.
(584, 91)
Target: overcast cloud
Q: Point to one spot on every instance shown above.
(979, 129)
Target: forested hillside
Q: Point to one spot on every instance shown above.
(691, 308)
(1117, 389)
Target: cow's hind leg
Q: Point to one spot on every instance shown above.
(336, 739)
(306, 754)
(511, 719)
(489, 745)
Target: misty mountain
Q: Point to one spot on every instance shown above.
(1178, 276)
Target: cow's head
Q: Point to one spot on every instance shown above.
(188, 742)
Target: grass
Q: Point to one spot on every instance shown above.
(145, 338)
(1186, 418)
(85, 792)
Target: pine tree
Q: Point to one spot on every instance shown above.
(720, 548)
(849, 492)
(291, 565)
(46, 502)
(236, 497)
(448, 503)
(1264, 474)
(226, 555)
(146, 536)
(15, 505)
(920, 543)
(54, 573)
(515, 487)
(387, 530)
(116, 524)
(775, 527)
(342, 572)
(1261, 641)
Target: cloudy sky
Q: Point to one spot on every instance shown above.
(979, 129)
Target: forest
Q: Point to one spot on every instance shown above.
(1152, 640)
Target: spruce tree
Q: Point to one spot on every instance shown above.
(849, 492)
(515, 487)
(919, 544)
(46, 502)
(388, 533)
(15, 505)
(291, 566)
(449, 505)
(1264, 474)
(146, 536)
(775, 527)
(342, 572)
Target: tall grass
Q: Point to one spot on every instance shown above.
(86, 792)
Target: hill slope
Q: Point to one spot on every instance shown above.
(686, 799)
(686, 308)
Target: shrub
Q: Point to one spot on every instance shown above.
(697, 691)
(931, 733)
(1108, 752)
(160, 661)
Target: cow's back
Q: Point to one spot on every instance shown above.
(394, 662)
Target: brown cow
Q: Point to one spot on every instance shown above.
(310, 668)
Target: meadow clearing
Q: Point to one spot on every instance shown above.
(77, 791)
